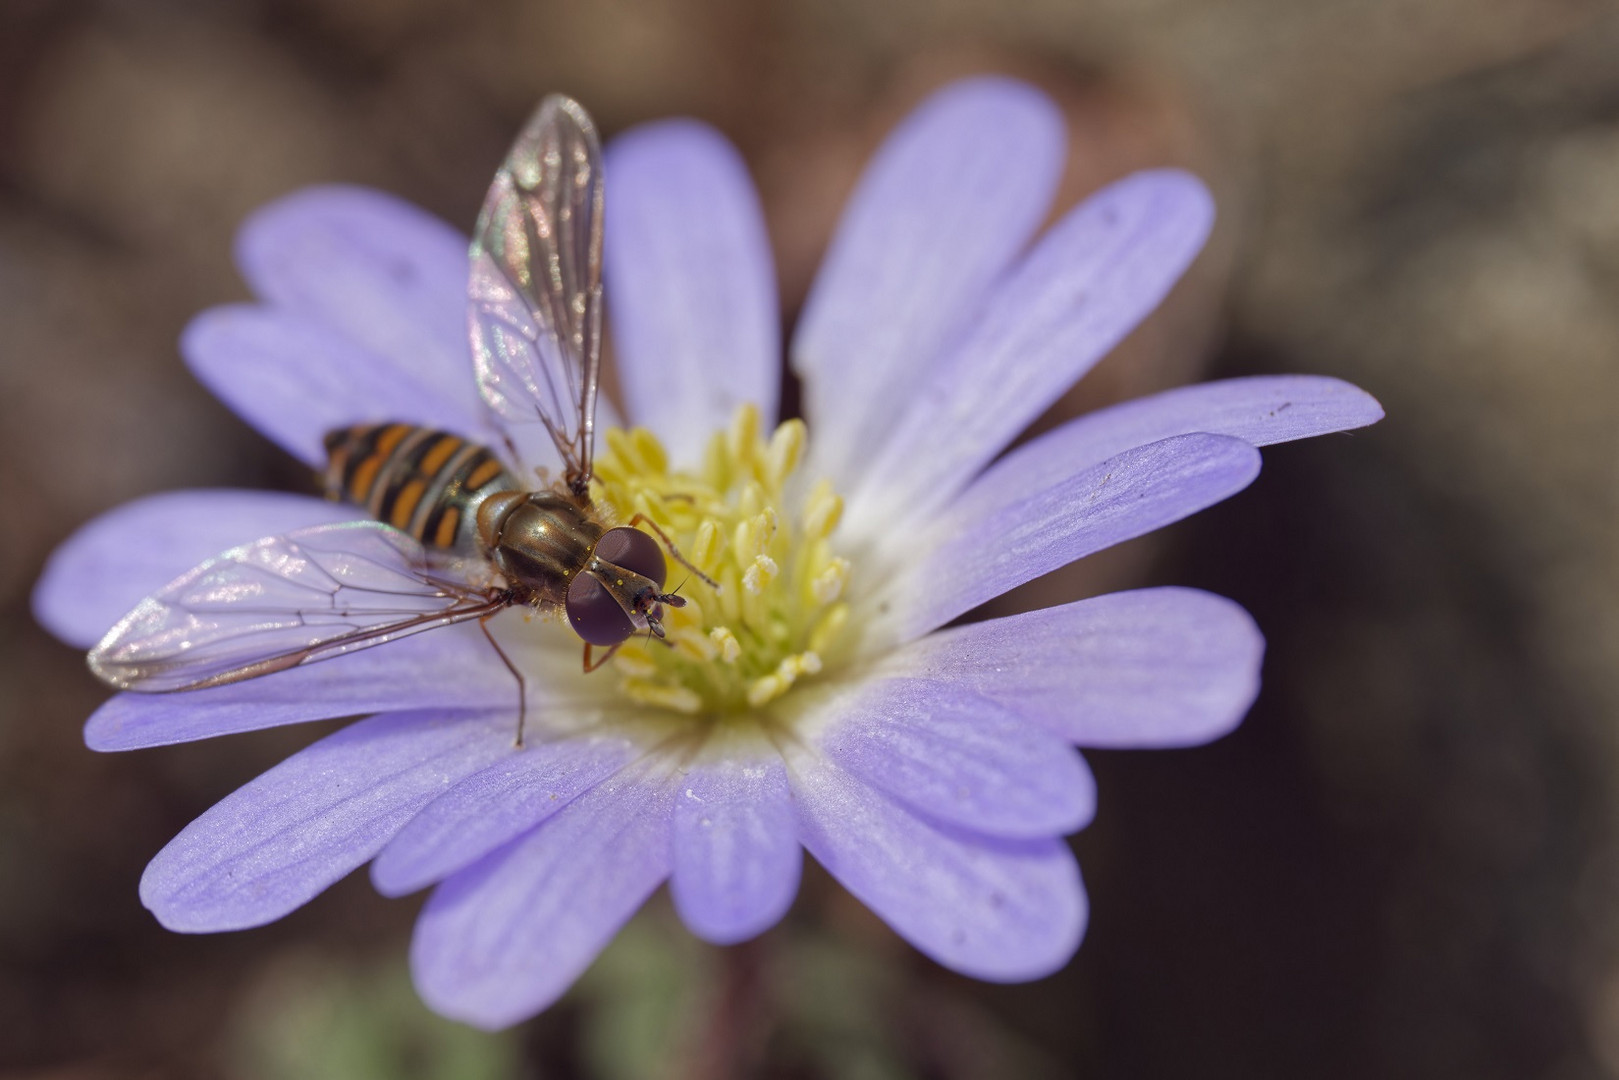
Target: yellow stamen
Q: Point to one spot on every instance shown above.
(786, 449)
(705, 550)
(759, 574)
(822, 511)
(730, 650)
(828, 627)
(681, 699)
(778, 612)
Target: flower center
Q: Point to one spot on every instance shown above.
(778, 614)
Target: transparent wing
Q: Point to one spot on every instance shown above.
(535, 290)
(284, 601)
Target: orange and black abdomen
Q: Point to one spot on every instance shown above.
(427, 483)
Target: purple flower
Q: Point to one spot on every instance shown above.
(815, 701)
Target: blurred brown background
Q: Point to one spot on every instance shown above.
(1403, 865)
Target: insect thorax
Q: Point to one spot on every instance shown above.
(539, 540)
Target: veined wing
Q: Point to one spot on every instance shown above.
(535, 290)
(283, 601)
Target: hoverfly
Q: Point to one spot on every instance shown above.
(456, 536)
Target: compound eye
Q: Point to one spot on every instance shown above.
(633, 550)
(593, 613)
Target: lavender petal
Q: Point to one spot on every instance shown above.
(276, 843)
(382, 273)
(959, 757)
(450, 668)
(296, 379)
(980, 556)
(108, 566)
(994, 909)
(1146, 669)
(948, 202)
(692, 285)
(1260, 409)
(492, 807)
(1086, 284)
(736, 854)
(504, 938)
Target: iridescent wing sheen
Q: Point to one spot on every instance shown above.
(284, 601)
(535, 290)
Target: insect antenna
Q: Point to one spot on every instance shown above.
(673, 598)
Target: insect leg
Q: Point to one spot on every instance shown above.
(606, 656)
(522, 685)
(640, 519)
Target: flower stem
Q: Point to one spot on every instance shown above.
(739, 1020)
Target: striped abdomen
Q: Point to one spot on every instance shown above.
(427, 483)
